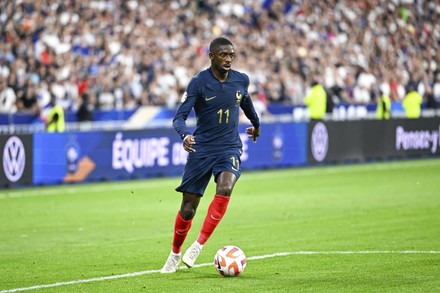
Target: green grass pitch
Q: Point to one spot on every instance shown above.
(351, 228)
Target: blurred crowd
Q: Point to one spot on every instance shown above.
(119, 54)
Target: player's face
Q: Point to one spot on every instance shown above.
(222, 59)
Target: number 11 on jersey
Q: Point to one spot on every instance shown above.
(220, 115)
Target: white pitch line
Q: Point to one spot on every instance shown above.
(135, 274)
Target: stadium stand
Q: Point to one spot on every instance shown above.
(104, 60)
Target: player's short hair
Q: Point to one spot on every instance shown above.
(217, 42)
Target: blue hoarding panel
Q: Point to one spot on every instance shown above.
(94, 156)
(280, 144)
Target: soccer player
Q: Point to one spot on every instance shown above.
(216, 94)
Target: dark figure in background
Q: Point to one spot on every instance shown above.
(85, 111)
(216, 94)
(28, 101)
(55, 119)
(431, 103)
(383, 108)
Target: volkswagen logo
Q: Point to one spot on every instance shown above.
(14, 159)
(319, 141)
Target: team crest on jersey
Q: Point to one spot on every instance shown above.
(184, 96)
(238, 96)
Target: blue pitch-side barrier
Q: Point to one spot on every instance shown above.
(116, 155)
(57, 158)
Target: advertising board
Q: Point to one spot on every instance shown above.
(16, 160)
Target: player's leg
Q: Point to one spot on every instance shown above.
(226, 172)
(217, 209)
(182, 224)
(225, 183)
(194, 181)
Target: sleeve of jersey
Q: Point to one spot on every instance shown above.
(249, 110)
(185, 107)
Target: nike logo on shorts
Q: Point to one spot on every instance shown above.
(209, 99)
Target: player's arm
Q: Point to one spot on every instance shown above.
(186, 105)
(179, 121)
(251, 114)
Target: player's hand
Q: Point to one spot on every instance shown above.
(188, 142)
(253, 133)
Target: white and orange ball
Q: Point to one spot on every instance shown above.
(230, 261)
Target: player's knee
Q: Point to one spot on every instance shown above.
(224, 190)
(187, 212)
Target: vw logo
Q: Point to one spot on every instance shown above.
(319, 141)
(14, 159)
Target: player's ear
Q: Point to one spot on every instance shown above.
(211, 55)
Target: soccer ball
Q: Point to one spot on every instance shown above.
(230, 261)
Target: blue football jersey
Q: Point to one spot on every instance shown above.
(217, 108)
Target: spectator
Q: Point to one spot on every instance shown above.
(358, 45)
(55, 119)
(28, 102)
(412, 103)
(363, 90)
(436, 88)
(7, 98)
(86, 107)
(383, 108)
(316, 101)
(431, 103)
(43, 95)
